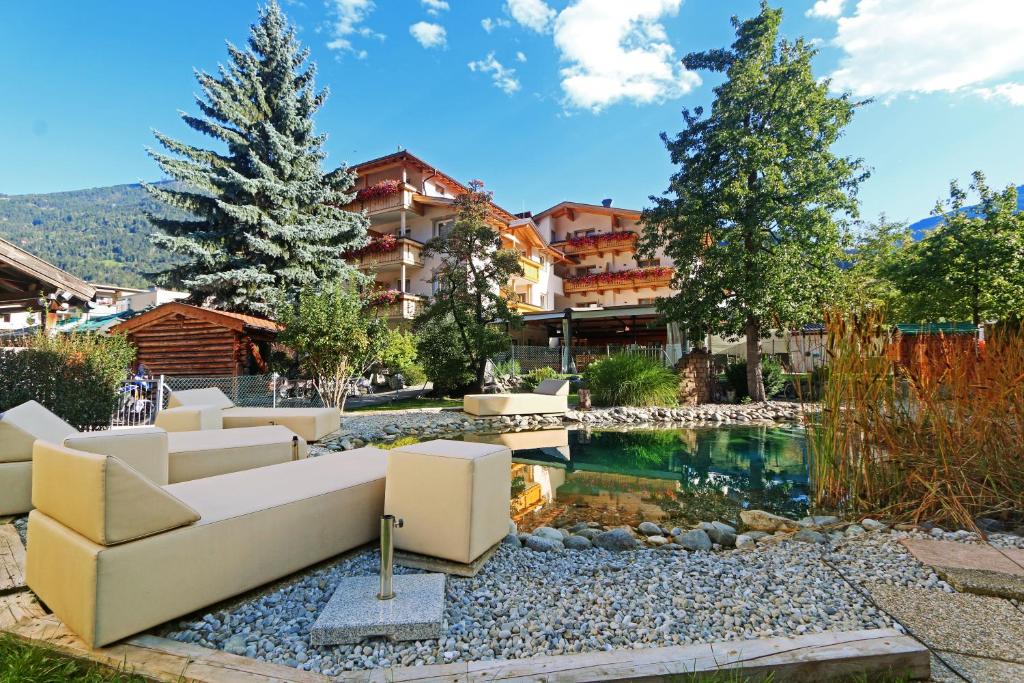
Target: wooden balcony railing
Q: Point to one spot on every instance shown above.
(660, 276)
(401, 199)
(407, 252)
(624, 240)
(407, 307)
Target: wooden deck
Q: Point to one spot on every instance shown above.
(12, 560)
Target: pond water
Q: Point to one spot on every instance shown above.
(677, 476)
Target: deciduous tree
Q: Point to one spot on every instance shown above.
(751, 215)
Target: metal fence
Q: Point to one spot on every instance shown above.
(533, 357)
(141, 398)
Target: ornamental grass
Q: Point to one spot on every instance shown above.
(927, 428)
(627, 379)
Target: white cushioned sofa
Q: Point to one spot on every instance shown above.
(159, 456)
(550, 397)
(199, 409)
(113, 554)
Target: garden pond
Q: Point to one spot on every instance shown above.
(669, 476)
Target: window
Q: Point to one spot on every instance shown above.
(443, 227)
(5, 317)
(586, 232)
(584, 270)
(649, 263)
(435, 284)
(645, 301)
(543, 300)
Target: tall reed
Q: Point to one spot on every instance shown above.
(928, 429)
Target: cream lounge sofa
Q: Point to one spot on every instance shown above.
(199, 408)
(113, 554)
(161, 457)
(550, 397)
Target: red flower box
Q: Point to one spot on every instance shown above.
(607, 239)
(636, 276)
(385, 297)
(381, 189)
(377, 245)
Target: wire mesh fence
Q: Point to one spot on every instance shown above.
(141, 398)
(533, 357)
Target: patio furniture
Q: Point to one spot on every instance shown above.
(452, 495)
(312, 424)
(550, 397)
(160, 456)
(113, 554)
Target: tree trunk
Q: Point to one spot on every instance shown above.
(481, 370)
(755, 383)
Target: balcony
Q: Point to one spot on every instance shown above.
(519, 301)
(390, 253)
(531, 269)
(615, 242)
(660, 276)
(387, 196)
(398, 306)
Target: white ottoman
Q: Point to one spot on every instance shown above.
(454, 497)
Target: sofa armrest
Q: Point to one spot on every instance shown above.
(144, 449)
(190, 418)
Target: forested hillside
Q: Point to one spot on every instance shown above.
(100, 234)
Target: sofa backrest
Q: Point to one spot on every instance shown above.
(553, 387)
(101, 497)
(22, 425)
(211, 396)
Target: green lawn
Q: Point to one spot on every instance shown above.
(24, 663)
(407, 403)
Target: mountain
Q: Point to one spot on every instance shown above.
(919, 228)
(100, 234)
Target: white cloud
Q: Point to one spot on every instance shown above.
(520, 57)
(894, 47)
(826, 9)
(348, 16)
(490, 24)
(428, 35)
(533, 14)
(434, 7)
(504, 77)
(1009, 92)
(618, 51)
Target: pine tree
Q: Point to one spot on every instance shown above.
(752, 217)
(267, 217)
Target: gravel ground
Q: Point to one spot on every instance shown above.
(21, 524)
(526, 604)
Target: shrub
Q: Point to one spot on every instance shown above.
(77, 376)
(399, 356)
(442, 356)
(772, 377)
(535, 377)
(631, 380)
(508, 367)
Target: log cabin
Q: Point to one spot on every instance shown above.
(177, 339)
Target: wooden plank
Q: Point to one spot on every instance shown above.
(18, 607)
(12, 559)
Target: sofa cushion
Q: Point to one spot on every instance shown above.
(211, 396)
(22, 425)
(514, 404)
(197, 455)
(143, 448)
(242, 493)
(101, 497)
(312, 424)
(16, 487)
(553, 387)
(190, 418)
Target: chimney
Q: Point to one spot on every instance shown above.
(606, 203)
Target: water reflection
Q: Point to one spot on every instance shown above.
(628, 476)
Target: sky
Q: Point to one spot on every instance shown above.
(544, 100)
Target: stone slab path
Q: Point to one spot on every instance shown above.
(971, 568)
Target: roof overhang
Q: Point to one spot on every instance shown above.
(24, 275)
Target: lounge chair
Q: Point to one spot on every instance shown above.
(113, 554)
(161, 457)
(200, 406)
(550, 397)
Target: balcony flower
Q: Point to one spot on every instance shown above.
(607, 239)
(377, 245)
(622, 277)
(381, 189)
(385, 297)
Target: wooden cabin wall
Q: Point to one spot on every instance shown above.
(182, 346)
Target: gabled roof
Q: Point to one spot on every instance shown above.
(564, 207)
(239, 322)
(22, 273)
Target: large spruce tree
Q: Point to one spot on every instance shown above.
(268, 219)
(751, 216)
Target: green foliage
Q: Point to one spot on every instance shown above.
(76, 376)
(266, 216)
(399, 356)
(337, 335)
(869, 281)
(443, 355)
(471, 263)
(773, 378)
(750, 216)
(21, 662)
(971, 267)
(536, 376)
(508, 367)
(99, 234)
(627, 379)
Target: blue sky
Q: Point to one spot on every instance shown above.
(545, 100)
